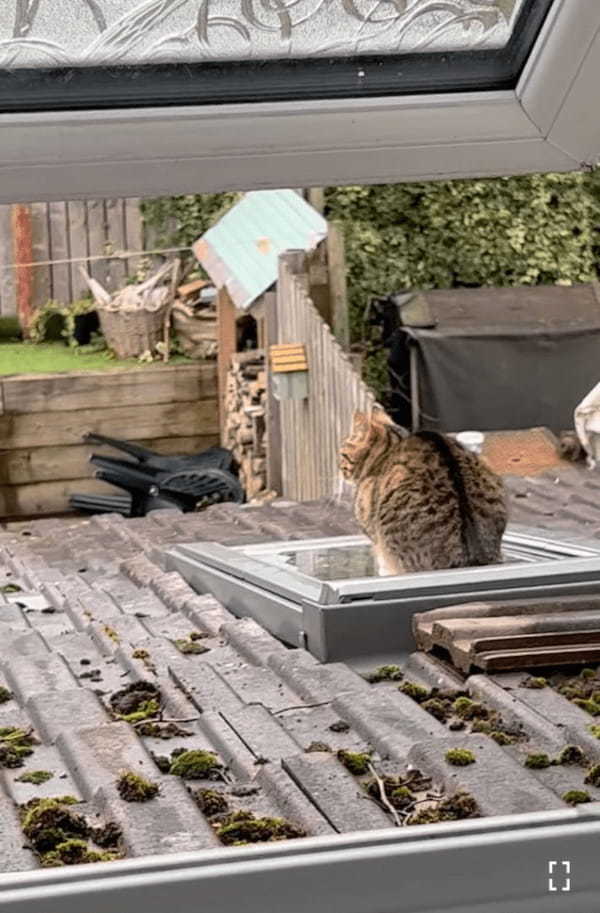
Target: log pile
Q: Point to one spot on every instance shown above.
(194, 317)
(245, 422)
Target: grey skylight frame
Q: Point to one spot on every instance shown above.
(371, 618)
(543, 124)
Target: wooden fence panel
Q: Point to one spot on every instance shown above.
(8, 295)
(59, 249)
(313, 429)
(78, 235)
(77, 231)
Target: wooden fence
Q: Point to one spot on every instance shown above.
(66, 231)
(308, 433)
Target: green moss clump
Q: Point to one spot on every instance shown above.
(593, 775)
(467, 709)
(75, 852)
(107, 835)
(460, 757)
(112, 634)
(537, 761)
(401, 797)
(5, 694)
(571, 754)
(588, 673)
(501, 738)
(535, 682)
(190, 646)
(570, 692)
(589, 706)
(7, 588)
(146, 710)
(133, 788)
(400, 791)
(243, 827)
(136, 702)
(417, 692)
(211, 802)
(385, 674)
(37, 777)
(595, 730)
(48, 822)
(460, 805)
(318, 746)
(160, 730)
(162, 762)
(15, 746)
(196, 765)
(455, 808)
(439, 709)
(339, 726)
(355, 762)
(576, 797)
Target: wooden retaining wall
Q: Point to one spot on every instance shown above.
(308, 433)
(172, 409)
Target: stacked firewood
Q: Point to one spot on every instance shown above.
(194, 318)
(245, 419)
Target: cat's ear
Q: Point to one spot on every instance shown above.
(380, 417)
(360, 422)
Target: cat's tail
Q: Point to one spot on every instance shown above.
(473, 547)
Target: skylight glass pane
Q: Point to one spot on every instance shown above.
(83, 33)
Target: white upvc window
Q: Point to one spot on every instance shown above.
(179, 96)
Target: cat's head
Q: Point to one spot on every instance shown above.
(371, 435)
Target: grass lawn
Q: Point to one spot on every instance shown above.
(57, 358)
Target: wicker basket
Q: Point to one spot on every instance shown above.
(136, 319)
(131, 333)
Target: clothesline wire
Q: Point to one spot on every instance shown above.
(117, 255)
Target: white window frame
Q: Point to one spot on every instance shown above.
(548, 123)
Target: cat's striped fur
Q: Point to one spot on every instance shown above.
(426, 503)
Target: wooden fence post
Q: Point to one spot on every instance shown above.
(273, 416)
(337, 284)
(316, 197)
(23, 253)
(226, 343)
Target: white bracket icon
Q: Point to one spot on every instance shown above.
(566, 874)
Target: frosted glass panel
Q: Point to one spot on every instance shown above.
(79, 33)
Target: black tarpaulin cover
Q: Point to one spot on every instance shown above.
(499, 359)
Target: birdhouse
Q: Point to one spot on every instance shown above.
(289, 371)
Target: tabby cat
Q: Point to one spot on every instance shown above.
(425, 503)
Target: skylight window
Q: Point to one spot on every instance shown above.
(98, 53)
(104, 33)
(325, 594)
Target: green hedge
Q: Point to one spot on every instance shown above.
(531, 230)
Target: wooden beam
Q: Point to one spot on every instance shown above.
(23, 253)
(316, 197)
(104, 389)
(337, 284)
(226, 341)
(56, 463)
(34, 429)
(47, 497)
